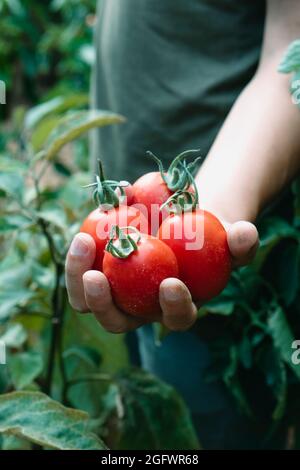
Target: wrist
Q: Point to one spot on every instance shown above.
(227, 203)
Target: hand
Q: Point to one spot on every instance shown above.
(89, 290)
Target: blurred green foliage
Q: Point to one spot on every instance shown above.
(51, 350)
(45, 48)
(96, 396)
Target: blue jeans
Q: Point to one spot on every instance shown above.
(182, 360)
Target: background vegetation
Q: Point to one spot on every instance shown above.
(64, 363)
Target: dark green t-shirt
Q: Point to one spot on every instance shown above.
(173, 68)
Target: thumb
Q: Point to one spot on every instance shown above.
(243, 242)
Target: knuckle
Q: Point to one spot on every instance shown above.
(71, 270)
(114, 328)
(82, 310)
(179, 327)
(79, 307)
(116, 331)
(109, 323)
(179, 323)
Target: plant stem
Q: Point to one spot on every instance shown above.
(58, 302)
(56, 325)
(90, 378)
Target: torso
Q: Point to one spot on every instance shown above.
(173, 68)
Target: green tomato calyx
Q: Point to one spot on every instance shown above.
(104, 193)
(122, 244)
(178, 176)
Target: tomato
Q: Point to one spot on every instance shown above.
(153, 189)
(206, 268)
(135, 279)
(149, 193)
(110, 197)
(99, 223)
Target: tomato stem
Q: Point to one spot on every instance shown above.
(178, 176)
(104, 194)
(183, 200)
(121, 244)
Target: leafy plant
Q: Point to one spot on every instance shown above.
(45, 48)
(51, 351)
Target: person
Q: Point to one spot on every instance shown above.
(193, 74)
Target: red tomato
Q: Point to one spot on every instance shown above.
(206, 268)
(149, 193)
(153, 189)
(135, 280)
(99, 223)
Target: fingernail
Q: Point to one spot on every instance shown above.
(92, 288)
(172, 294)
(79, 246)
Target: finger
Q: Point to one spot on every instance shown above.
(243, 242)
(80, 258)
(179, 312)
(99, 300)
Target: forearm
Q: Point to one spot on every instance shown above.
(257, 151)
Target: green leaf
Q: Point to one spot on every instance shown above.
(14, 274)
(12, 184)
(10, 442)
(42, 276)
(86, 354)
(10, 223)
(17, 8)
(230, 378)
(62, 169)
(73, 195)
(42, 132)
(9, 164)
(84, 330)
(56, 105)
(271, 364)
(24, 368)
(287, 272)
(14, 336)
(281, 393)
(74, 125)
(54, 214)
(34, 416)
(160, 332)
(282, 336)
(291, 61)
(154, 408)
(87, 54)
(274, 229)
(224, 304)
(245, 352)
(10, 300)
(220, 305)
(296, 191)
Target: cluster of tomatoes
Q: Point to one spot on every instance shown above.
(155, 231)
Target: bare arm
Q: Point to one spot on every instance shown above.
(257, 151)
